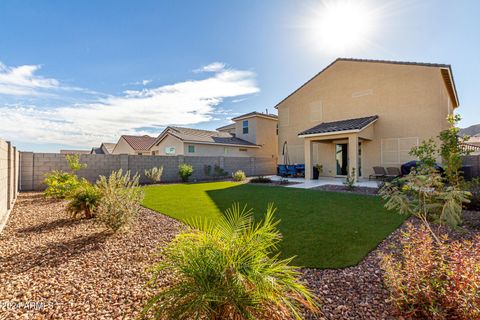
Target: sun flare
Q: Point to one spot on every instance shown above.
(342, 25)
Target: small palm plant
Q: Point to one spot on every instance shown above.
(229, 269)
(85, 200)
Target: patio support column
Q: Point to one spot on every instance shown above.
(308, 159)
(353, 154)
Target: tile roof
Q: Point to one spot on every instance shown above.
(206, 136)
(421, 64)
(139, 142)
(342, 125)
(109, 146)
(255, 113)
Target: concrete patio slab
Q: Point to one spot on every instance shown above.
(302, 183)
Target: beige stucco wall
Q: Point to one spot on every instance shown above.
(262, 132)
(123, 147)
(169, 141)
(411, 101)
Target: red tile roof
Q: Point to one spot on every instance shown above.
(140, 143)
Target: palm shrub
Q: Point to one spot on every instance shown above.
(239, 175)
(121, 197)
(154, 174)
(85, 200)
(229, 269)
(185, 171)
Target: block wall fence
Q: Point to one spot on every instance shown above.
(9, 177)
(34, 166)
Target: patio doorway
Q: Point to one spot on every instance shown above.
(341, 159)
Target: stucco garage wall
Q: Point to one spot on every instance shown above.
(8, 179)
(34, 166)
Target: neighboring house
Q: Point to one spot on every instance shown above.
(364, 113)
(75, 151)
(252, 135)
(105, 148)
(139, 145)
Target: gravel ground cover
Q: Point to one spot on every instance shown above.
(73, 269)
(356, 190)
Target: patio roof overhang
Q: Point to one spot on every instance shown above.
(338, 129)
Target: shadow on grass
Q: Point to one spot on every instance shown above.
(53, 254)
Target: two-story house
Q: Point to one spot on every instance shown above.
(357, 114)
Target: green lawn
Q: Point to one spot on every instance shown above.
(323, 229)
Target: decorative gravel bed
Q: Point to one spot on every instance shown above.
(73, 269)
(357, 190)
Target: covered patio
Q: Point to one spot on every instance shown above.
(347, 136)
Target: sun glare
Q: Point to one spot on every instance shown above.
(342, 25)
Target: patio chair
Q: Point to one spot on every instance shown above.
(282, 170)
(379, 173)
(291, 170)
(392, 172)
(300, 168)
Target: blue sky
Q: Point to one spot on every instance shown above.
(76, 73)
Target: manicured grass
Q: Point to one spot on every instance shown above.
(323, 229)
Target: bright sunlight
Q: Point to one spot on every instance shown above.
(342, 25)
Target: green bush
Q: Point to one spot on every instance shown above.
(239, 175)
(120, 203)
(60, 184)
(185, 171)
(261, 179)
(229, 270)
(349, 182)
(154, 174)
(84, 201)
(434, 280)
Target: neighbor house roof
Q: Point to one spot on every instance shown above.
(446, 72)
(340, 126)
(204, 137)
(139, 142)
(108, 146)
(256, 114)
(228, 126)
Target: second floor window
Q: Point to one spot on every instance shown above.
(191, 149)
(245, 126)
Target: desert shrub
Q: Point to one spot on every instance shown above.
(349, 182)
(121, 197)
(185, 171)
(261, 179)
(229, 270)
(84, 200)
(434, 280)
(474, 188)
(154, 174)
(239, 175)
(60, 184)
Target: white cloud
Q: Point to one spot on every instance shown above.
(88, 124)
(212, 67)
(22, 81)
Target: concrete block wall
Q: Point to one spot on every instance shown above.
(474, 162)
(9, 175)
(34, 166)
